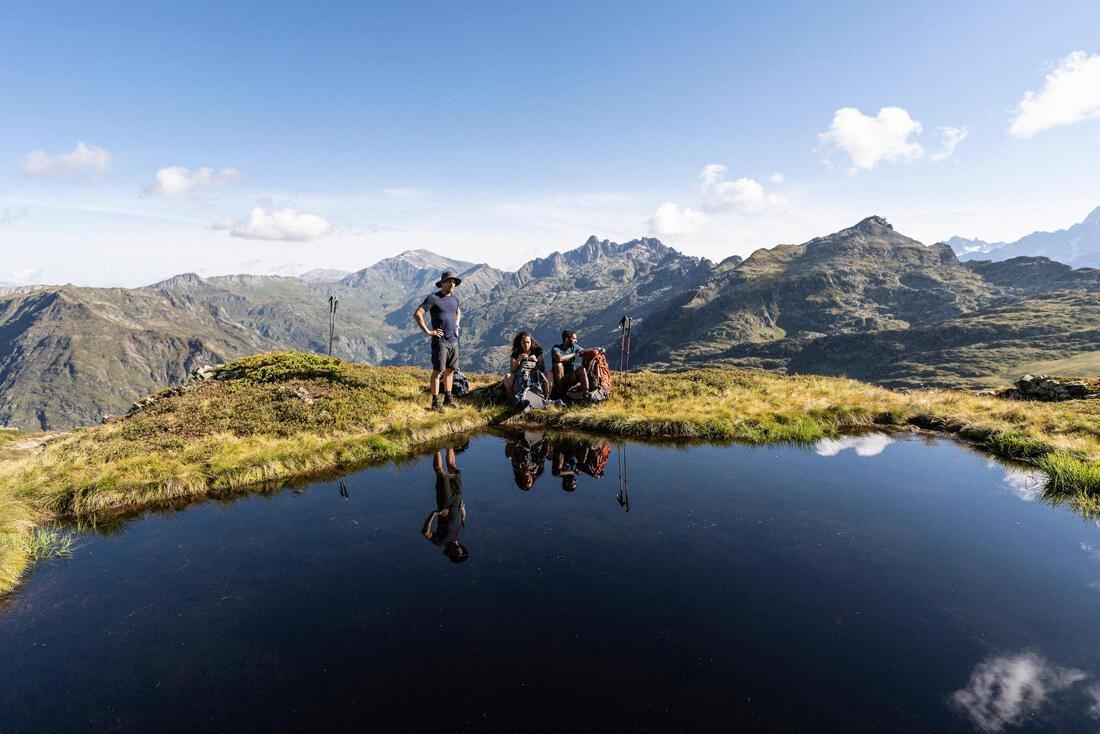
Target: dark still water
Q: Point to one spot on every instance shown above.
(865, 584)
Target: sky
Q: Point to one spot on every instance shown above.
(142, 140)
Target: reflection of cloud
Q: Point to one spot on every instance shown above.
(1024, 483)
(1003, 690)
(1093, 692)
(870, 445)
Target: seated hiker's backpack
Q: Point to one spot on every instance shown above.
(530, 386)
(599, 378)
(459, 384)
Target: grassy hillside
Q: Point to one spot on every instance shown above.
(272, 417)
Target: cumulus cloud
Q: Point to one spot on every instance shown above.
(84, 157)
(872, 140)
(176, 180)
(952, 136)
(284, 224)
(870, 445)
(670, 219)
(1025, 484)
(722, 195)
(1003, 690)
(11, 215)
(23, 276)
(1070, 93)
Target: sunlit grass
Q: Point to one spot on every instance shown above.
(43, 543)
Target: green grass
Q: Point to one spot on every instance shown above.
(275, 417)
(49, 542)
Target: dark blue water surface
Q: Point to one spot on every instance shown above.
(865, 584)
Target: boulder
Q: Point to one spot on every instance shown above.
(1045, 387)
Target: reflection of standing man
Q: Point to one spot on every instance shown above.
(446, 316)
(444, 526)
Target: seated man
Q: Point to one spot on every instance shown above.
(568, 364)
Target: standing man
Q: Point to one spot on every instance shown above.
(446, 317)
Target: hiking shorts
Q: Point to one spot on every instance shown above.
(444, 354)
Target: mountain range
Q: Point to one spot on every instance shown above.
(867, 302)
(1079, 245)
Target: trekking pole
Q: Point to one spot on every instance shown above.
(623, 497)
(624, 343)
(333, 302)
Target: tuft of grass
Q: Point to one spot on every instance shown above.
(49, 542)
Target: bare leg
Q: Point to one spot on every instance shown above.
(582, 378)
(509, 381)
(448, 378)
(434, 383)
(451, 463)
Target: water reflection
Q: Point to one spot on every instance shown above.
(1005, 690)
(871, 444)
(445, 524)
(569, 457)
(1027, 484)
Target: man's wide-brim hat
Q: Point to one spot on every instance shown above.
(448, 275)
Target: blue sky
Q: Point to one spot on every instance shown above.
(337, 134)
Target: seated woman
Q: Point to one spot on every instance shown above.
(524, 348)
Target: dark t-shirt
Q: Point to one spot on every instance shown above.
(444, 312)
(448, 496)
(567, 355)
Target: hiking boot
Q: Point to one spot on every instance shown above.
(449, 403)
(437, 407)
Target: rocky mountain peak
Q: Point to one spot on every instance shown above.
(177, 282)
(873, 225)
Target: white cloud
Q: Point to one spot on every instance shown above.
(1070, 93)
(721, 195)
(11, 215)
(952, 136)
(777, 178)
(1025, 484)
(23, 276)
(284, 224)
(1003, 690)
(84, 157)
(871, 140)
(175, 180)
(670, 219)
(870, 445)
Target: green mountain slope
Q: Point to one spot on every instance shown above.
(865, 302)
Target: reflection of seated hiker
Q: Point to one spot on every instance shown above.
(527, 455)
(572, 458)
(565, 465)
(526, 355)
(444, 526)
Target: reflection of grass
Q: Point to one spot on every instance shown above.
(278, 416)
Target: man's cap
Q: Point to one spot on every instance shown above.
(448, 275)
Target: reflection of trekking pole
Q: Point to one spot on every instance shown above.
(333, 302)
(625, 324)
(623, 497)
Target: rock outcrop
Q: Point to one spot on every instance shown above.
(1045, 387)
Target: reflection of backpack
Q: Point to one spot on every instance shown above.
(459, 384)
(597, 459)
